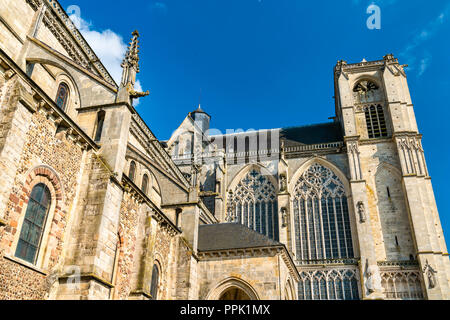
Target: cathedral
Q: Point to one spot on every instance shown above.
(94, 207)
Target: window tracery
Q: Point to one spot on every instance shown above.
(253, 203)
(402, 285)
(335, 284)
(321, 217)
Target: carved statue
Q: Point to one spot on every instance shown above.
(284, 217)
(361, 211)
(373, 280)
(430, 273)
(231, 214)
(51, 279)
(283, 183)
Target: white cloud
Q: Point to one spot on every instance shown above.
(422, 60)
(108, 46)
(138, 87)
(159, 7)
(424, 63)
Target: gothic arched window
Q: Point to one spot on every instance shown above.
(155, 282)
(253, 203)
(321, 217)
(132, 172)
(339, 284)
(376, 122)
(62, 96)
(33, 224)
(145, 184)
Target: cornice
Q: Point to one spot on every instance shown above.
(375, 141)
(291, 152)
(89, 277)
(252, 252)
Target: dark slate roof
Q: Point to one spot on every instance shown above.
(231, 236)
(314, 134)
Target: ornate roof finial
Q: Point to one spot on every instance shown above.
(130, 67)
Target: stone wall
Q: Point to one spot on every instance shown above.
(55, 161)
(265, 274)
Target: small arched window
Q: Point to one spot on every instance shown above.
(62, 96)
(145, 184)
(155, 283)
(99, 129)
(33, 224)
(132, 172)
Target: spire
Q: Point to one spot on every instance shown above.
(130, 63)
(130, 67)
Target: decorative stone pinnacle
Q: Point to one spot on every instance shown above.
(130, 67)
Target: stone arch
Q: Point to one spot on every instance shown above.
(393, 214)
(388, 166)
(346, 227)
(252, 201)
(232, 283)
(95, 90)
(51, 240)
(260, 168)
(160, 288)
(74, 100)
(305, 166)
(366, 77)
(289, 290)
(63, 75)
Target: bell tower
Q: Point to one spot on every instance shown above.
(374, 107)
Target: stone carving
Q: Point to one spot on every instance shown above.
(231, 212)
(373, 279)
(361, 211)
(283, 183)
(284, 217)
(430, 274)
(51, 279)
(130, 67)
(365, 86)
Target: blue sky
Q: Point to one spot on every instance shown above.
(269, 63)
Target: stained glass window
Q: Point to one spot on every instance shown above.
(321, 217)
(254, 204)
(62, 96)
(33, 224)
(155, 282)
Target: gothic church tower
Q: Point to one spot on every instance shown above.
(392, 192)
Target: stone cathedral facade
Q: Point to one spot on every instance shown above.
(94, 206)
